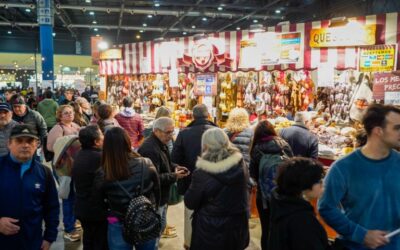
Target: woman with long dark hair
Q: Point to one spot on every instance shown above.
(265, 141)
(122, 166)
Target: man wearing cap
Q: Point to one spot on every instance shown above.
(6, 124)
(24, 115)
(28, 195)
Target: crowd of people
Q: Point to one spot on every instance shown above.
(118, 160)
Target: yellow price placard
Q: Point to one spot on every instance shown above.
(379, 58)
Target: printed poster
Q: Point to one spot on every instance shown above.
(378, 58)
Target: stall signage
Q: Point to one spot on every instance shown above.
(205, 85)
(111, 54)
(392, 98)
(349, 35)
(385, 84)
(378, 58)
(290, 47)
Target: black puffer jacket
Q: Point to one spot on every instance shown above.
(242, 141)
(218, 195)
(187, 148)
(117, 200)
(158, 153)
(294, 225)
(269, 145)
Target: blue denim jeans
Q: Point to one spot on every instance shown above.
(117, 242)
(162, 211)
(68, 211)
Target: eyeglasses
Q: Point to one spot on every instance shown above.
(172, 132)
(68, 113)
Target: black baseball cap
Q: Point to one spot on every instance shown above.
(5, 106)
(23, 130)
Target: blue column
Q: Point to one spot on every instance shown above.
(45, 19)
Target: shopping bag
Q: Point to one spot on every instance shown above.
(174, 197)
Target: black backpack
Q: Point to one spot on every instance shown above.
(141, 221)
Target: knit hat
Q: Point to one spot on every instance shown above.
(5, 106)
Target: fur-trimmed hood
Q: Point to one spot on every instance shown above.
(221, 166)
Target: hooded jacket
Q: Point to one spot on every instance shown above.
(294, 225)
(48, 108)
(187, 148)
(132, 123)
(301, 140)
(242, 141)
(218, 195)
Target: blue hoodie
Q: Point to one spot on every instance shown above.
(30, 198)
(369, 192)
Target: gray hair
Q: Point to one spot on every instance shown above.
(200, 111)
(216, 145)
(162, 123)
(301, 117)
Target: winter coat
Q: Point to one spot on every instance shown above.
(219, 197)
(158, 153)
(31, 199)
(301, 140)
(132, 123)
(35, 120)
(60, 130)
(294, 225)
(117, 199)
(48, 108)
(4, 136)
(86, 163)
(242, 141)
(268, 145)
(187, 148)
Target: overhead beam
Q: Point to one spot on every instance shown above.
(149, 11)
(180, 18)
(252, 14)
(121, 14)
(203, 5)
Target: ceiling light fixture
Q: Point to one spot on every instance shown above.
(193, 26)
(9, 32)
(137, 36)
(204, 19)
(184, 33)
(54, 34)
(87, 1)
(96, 29)
(220, 8)
(94, 22)
(28, 10)
(255, 21)
(237, 28)
(141, 31)
(157, 5)
(91, 13)
(278, 11)
(144, 25)
(150, 16)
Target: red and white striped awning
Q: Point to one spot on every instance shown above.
(145, 57)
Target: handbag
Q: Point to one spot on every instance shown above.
(174, 196)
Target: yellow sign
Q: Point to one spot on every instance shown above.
(111, 54)
(378, 58)
(352, 34)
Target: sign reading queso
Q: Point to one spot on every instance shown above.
(352, 34)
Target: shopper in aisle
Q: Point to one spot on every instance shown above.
(6, 124)
(362, 184)
(155, 148)
(48, 108)
(65, 127)
(187, 148)
(106, 118)
(90, 211)
(28, 195)
(218, 195)
(95, 116)
(239, 131)
(131, 122)
(24, 115)
(160, 112)
(79, 117)
(300, 139)
(86, 110)
(265, 142)
(67, 97)
(8, 94)
(122, 166)
(293, 223)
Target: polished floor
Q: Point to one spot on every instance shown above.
(175, 217)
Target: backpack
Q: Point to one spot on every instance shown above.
(268, 168)
(141, 221)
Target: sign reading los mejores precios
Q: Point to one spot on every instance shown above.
(387, 87)
(349, 35)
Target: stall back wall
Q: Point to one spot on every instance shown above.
(146, 57)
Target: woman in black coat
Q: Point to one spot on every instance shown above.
(265, 141)
(294, 225)
(218, 195)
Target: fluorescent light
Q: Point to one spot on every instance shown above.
(96, 29)
(255, 21)
(94, 22)
(141, 31)
(144, 25)
(278, 11)
(87, 1)
(220, 8)
(150, 16)
(156, 5)
(237, 28)
(204, 19)
(184, 33)
(193, 26)
(9, 32)
(91, 13)
(28, 10)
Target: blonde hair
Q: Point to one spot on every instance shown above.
(216, 145)
(238, 120)
(60, 110)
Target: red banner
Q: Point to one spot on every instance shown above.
(385, 82)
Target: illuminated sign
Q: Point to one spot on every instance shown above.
(111, 54)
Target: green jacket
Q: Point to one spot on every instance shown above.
(47, 108)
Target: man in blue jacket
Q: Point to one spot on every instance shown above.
(362, 190)
(28, 196)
